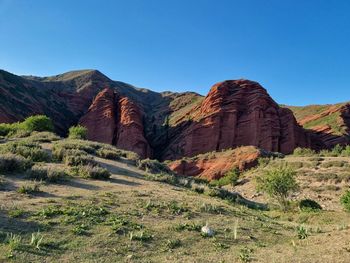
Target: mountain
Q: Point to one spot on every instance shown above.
(163, 125)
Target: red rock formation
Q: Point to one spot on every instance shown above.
(215, 165)
(130, 135)
(116, 120)
(101, 118)
(237, 113)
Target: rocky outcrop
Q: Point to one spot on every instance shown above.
(330, 123)
(215, 165)
(102, 117)
(116, 120)
(130, 132)
(237, 113)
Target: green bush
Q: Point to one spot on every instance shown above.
(308, 204)
(230, 178)
(13, 163)
(37, 123)
(346, 151)
(153, 166)
(109, 154)
(303, 152)
(345, 200)
(75, 160)
(78, 132)
(278, 183)
(47, 173)
(7, 128)
(91, 172)
(29, 150)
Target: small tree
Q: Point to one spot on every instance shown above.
(78, 132)
(278, 183)
(37, 123)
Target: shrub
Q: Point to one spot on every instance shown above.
(345, 200)
(78, 132)
(37, 123)
(337, 150)
(278, 183)
(109, 154)
(303, 152)
(13, 163)
(153, 166)
(346, 151)
(60, 153)
(47, 173)
(231, 177)
(43, 137)
(7, 128)
(76, 160)
(91, 172)
(308, 204)
(29, 150)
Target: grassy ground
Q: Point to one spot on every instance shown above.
(128, 218)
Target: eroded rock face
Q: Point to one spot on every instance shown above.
(216, 165)
(118, 121)
(237, 113)
(101, 118)
(130, 134)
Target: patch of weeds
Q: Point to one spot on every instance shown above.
(122, 225)
(80, 230)
(36, 240)
(172, 244)
(49, 212)
(245, 254)
(16, 212)
(302, 232)
(28, 189)
(188, 227)
(14, 243)
(212, 209)
(142, 236)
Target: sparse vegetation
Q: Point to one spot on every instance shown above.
(28, 189)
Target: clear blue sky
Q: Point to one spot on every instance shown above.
(299, 50)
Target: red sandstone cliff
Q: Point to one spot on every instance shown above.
(116, 120)
(237, 113)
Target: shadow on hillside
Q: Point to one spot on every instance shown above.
(121, 171)
(17, 225)
(121, 181)
(79, 184)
